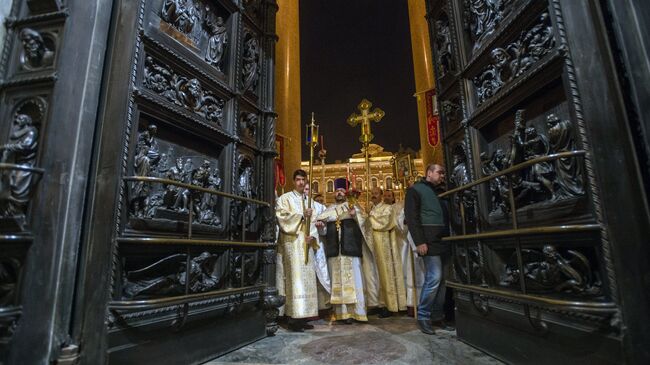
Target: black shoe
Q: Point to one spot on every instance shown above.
(443, 325)
(308, 326)
(425, 327)
(296, 325)
(348, 321)
(384, 313)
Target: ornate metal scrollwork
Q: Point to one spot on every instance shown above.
(272, 301)
(251, 61)
(514, 59)
(38, 50)
(184, 92)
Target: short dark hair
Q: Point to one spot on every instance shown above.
(432, 167)
(299, 172)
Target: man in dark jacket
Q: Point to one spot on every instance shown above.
(425, 218)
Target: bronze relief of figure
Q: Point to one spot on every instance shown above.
(16, 185)
(146, 158)
(251, 62)
(217, 42)
(35, 53)
(568, 170)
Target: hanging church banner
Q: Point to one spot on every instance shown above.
(433, 120)
(279, 161)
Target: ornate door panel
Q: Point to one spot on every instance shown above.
(49, 92)
(180, 232)
(136, 180)
(528, 96)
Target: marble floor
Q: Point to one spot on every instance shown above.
(394, 340)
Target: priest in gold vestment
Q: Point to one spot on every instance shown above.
(296, 279)
(387, 255)
(341, 224)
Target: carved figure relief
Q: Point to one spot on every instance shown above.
(181, 14)
(217, 42)
(169, 201)
(251, 62)
(184, 92)
(251, 268)
(248, 124)
(38, 51)
(513, 60)
(21, 149)
(484, 17)
(549, 270)
(443, 46)
(568, 170)
(167, 277)
(243, 212)
(460, 176)
(549, 181)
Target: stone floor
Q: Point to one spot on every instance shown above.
(394, 340)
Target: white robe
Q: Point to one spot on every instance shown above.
(408, 257)
(295, 279)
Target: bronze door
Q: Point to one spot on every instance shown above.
(150, 238)
(529, 96)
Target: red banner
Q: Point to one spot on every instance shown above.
(433, 120)
(279, 161)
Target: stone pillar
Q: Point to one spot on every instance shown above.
(287, 84)
(424, 78)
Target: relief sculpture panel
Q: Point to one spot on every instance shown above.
(200, 25)
(163, 202)
(544, 184)
(185, 92)
(512, 60)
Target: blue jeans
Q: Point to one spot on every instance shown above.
(432, 297)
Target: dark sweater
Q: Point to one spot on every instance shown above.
(430, 234)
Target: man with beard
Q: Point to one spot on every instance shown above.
(387, 255)
(296, 278)
(345, 248)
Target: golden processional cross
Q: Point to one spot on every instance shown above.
(364, 119)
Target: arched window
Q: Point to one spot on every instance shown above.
(330, 186)
(314, 187)
(374, 182)
(359, 184)
(389, 183)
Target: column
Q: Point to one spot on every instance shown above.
(424, 78)
(287, 84)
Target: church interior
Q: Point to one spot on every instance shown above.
(324, 182)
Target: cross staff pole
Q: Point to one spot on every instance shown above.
(312, 141)
(364, 120)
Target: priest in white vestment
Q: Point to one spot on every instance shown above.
(409, 257)
(388, 256)
(296, 279)
(344, 241)
(319, 259)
